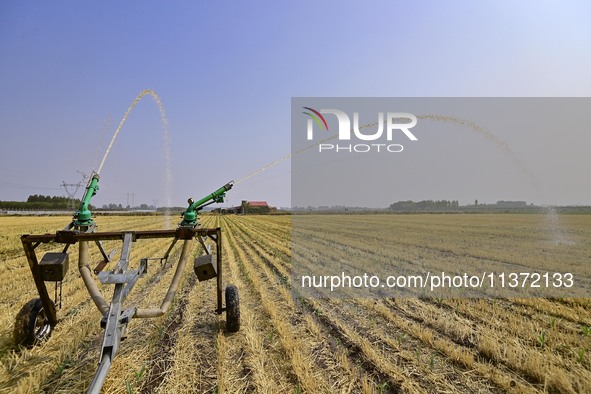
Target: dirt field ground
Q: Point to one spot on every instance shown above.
(291, 345)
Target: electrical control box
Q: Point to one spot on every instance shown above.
(205, 267)
(54, 266)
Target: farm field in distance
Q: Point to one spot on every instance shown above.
(312, 345)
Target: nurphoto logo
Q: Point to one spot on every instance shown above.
(395, 121)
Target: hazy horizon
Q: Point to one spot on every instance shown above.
(226, 76)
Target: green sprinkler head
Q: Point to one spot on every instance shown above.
(83, 217)
(190, 215)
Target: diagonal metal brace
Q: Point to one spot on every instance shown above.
(106, 257)
(206, 248)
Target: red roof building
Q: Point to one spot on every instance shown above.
(259, 204)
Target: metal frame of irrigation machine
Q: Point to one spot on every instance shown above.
(38, 317)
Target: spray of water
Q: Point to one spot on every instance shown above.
(498, 142)
(273, 163)
(559, 236)
(166, 137)
(290, 155)
(124, 119)
(552, 217)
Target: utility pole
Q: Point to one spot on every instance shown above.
(71, 194)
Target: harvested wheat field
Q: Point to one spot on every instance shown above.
(292, 345)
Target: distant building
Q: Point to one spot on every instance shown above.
(247, 207)
(259, 206)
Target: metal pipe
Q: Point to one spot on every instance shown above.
(89, 282)
(100, 376)
(156, 312)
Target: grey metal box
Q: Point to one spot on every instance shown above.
(54, 266)
(205, 267)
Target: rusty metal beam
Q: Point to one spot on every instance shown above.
(48, 305)
(218, 244)
(70, 237)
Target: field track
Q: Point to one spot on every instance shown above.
(292, 345)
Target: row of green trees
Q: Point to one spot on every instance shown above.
(49, 199)
(41, 202)
(424, 205)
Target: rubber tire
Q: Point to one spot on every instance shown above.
(232, 309)
(31, 326)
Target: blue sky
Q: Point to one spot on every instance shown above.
(226, 72)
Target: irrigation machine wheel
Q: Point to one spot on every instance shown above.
(232, 309)
(31, 326)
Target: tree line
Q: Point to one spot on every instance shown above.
(38, 201)
(454, 205)
(424, 205)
